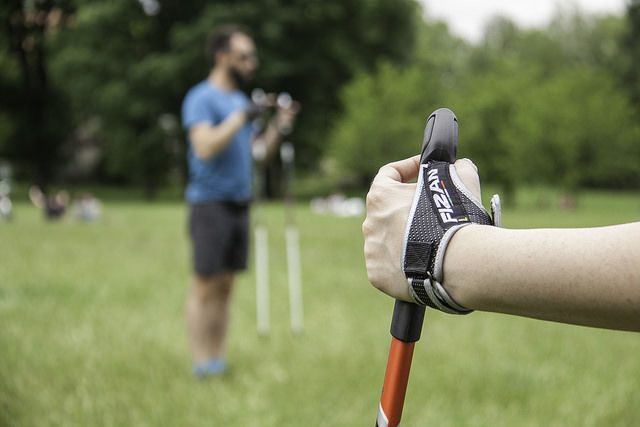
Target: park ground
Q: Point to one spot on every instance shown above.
(92, 333)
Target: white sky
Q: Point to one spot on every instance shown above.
(467, 18)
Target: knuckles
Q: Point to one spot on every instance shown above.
(373, 197)
(367, 227)
(376, 280)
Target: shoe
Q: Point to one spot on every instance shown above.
(210, 368)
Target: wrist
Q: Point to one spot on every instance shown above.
(465, 263)
(441, 207)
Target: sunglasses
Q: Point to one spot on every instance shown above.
(246, 56)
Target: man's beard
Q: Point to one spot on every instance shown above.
(241, 81)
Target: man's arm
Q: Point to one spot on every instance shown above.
(208, 140)
(585, 276)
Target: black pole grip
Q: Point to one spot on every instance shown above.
(406, 323)
(440, 142)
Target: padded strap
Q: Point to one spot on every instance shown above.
(442, 205)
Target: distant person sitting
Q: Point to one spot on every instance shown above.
(54, 207)
(87, 208)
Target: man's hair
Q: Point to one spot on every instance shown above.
(219, 40)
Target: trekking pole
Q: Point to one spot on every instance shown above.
(440, 143)
(285, 101)
(259, 98)
(5, 190)
(293, 249)
(261, 252)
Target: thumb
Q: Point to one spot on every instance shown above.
(402, 170)
(468, 173)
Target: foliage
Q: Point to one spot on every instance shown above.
(589, 139)
(142, 73)
(34, 116)
(127, 82)
(361, 144)
(540, 106)
(381, 110)
(631, 48)
(533, 104)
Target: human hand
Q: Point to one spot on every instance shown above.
(253, 111)
(388, 206)
(286, 113)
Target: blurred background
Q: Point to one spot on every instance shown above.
(91, 90)
(547, 94)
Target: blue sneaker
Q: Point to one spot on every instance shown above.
(210, 368)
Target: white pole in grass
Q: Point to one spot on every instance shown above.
(295, 286)
(261, 248)
(292, 241)
(262, 279)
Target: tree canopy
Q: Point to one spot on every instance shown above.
(554, 105)
(543, 106)
(127, 65)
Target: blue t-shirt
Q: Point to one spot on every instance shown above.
(227, 175)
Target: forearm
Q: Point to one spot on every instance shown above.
(582, 276)
(208, 140)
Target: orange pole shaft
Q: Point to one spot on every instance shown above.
(395, 380)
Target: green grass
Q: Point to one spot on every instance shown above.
(92, 333)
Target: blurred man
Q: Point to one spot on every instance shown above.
(217, 117)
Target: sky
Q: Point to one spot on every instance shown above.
(467, 18)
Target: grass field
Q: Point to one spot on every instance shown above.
(92, 334)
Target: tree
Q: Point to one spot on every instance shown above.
(534, 106)
(307, 48)
(33, 109)
(577, 130)
(113, 67)
(385, 111)
(631, 50)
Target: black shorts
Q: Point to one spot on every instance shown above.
(219, 237)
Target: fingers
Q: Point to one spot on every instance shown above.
(466, 163)
(296, 107)
(468, 173)
(402, 170)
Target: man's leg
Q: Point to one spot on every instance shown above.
(207, 314)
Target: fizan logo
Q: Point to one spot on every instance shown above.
(440, 196)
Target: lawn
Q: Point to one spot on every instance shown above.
(92, 333)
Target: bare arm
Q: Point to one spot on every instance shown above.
(587, 276)
(208, 140)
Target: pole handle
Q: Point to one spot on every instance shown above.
(440, 143)
(406, 323)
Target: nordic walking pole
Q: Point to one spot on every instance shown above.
(293, 250)
(259, 98)
(262, 255)
(440, 142)
(285, 101)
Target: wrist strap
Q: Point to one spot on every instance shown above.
(429, 291)
(442, 205)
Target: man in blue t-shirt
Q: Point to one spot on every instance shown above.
(216, 116)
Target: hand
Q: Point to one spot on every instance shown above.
(253, 111)
(388, 205)
(286, 117)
